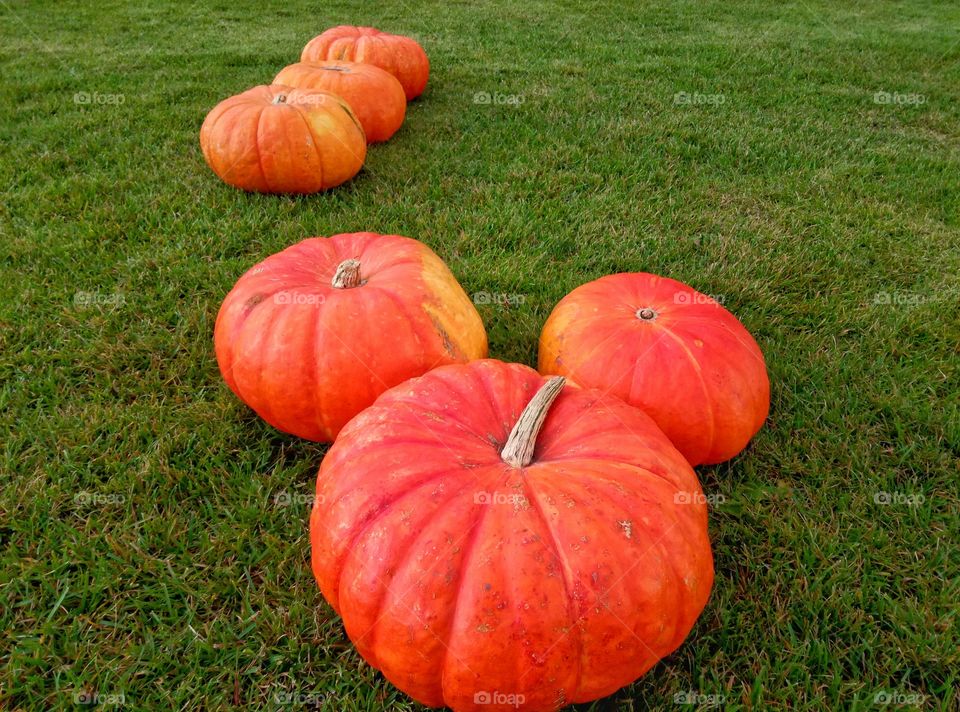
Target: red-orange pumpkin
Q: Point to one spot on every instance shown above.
(375, 95)
(403, 57)
(312, 335)
(276, 139)
(668, 349)
(484, 563)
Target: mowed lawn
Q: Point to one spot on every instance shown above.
(800, 162)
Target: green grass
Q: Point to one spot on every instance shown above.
(144, 551)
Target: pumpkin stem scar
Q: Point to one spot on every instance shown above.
(280, 99)
(336, 69)
(646, 314)
(523, 438)
(347, 275)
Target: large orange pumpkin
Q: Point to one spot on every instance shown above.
(312, 335)
(490, 551)
(668, 349)
(275, 139)
(403, 57)
(374, 94)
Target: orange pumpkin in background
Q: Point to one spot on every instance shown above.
(494, 540)
(276, 139)
(374, 94)
(402, 56)
(667, 349)
(313, 334)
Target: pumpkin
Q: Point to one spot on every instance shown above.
(312, 335)
(275, 139)
(495, 540)
(667, 349)
(403, 57)
(376, 97)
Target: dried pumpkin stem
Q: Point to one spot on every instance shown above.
(523, 438)
(347, 275)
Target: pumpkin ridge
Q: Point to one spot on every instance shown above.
(469, 544)
(603, 402)
(492, 403)
(680, 627)
(590, 461)
(582, 490)
(753, 349)
(318, 409)
(424, 335)
(398, 565)
(703, 387)
(673, 522)
(339, 140)
(373, 517)
(264, 410)
(209, 128)
(565, 571)
(319, 353)
(426, 441)
(349, 112)
(237, 105)
(257, 141)
(463, 426)
(313, 140)
(401, 309)
(580, 362)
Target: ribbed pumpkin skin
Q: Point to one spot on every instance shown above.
(402, 56)
(307, 356)
(595, 569)
(693, 368)
(374, 94)
(275, 139)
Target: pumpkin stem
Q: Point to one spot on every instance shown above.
(347, 275)
(523, 438)
(646, 314)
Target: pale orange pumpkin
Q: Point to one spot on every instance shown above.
(276, 139)
(402, 56)
(374, 94)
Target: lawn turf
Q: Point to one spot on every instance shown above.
(799, 161)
